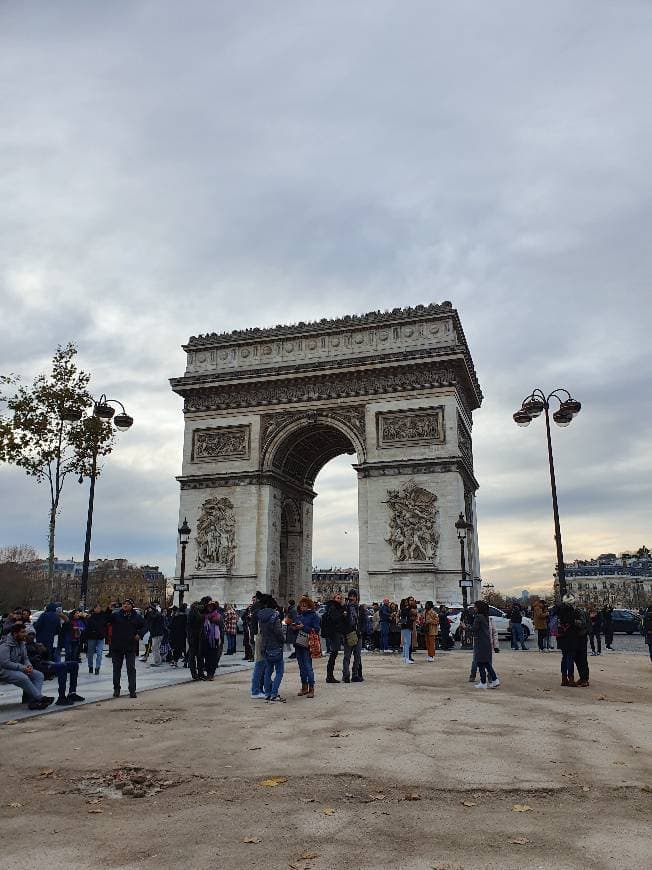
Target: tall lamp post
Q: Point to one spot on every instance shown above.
(531, 407)
(102, 411)
(462, 528)
(184, 537)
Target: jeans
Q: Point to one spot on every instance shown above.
(129, 658)
(62, 669)
(567, 664)
(258, 676)
(95, 648)
(335, 645)
(306, 672)
(156, 649)
(595, 635)
(517, 636)
(31, 684)
(406, 641)
(272, 686)
(486, 668)
(384, 636)
(357, 660)
(230, 640)
(581, 662)
(542, 637)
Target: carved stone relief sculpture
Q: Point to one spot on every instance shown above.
(413, 535)
(223, 442)
(411, 427)
(464, 442)
(216, 544)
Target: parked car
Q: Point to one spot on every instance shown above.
(500, 618)
(626, 621)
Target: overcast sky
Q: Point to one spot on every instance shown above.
(174, 168)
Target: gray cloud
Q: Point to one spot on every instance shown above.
(168, 171)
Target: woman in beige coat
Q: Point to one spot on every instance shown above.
(431, 626)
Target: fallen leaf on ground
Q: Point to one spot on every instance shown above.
(254, 748)
(11, 722)
(521, 808)
(274, 781)
(600, 698)
(348, 794)
(14, 805)
(30, 731)
(250, 840)
(377, 797)
(47, 772)
(519, 841)
(469, 803)
(585, 788)
(328, 811)
(309, 856)
(307, 800)
(95, 810)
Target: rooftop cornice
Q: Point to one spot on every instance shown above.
(350, 321)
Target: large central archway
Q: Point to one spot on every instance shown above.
(266, 409)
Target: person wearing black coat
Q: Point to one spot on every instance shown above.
(156, 627)
(356, 621)
(178, 628)
(333, 628)
(482, 646)
(95, 634)
(595, 630)
(608, 626)
(127, 628)
(647, 629)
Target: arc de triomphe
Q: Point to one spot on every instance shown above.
(266, 409)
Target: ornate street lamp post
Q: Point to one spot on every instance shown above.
(531, 407)
(102, 410)
(184, 537)
(462, 528)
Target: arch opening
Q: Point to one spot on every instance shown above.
(305, 450)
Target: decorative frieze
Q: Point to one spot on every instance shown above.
(328, 387)
(413, 535)
(215, 537)
(352, 417)
(221, 442)
(410, 427)
(464, 443)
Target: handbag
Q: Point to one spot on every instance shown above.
(314, 644)
(352, 638)
(302, 639)
(274, 654)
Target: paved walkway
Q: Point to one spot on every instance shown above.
(98, 688)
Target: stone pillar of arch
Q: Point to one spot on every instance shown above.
(265, 410)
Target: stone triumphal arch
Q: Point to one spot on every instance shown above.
(266, 409)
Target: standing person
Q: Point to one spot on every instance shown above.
(127, 629)
(483, 647)
(290, 633)
(75, 629)
(272, 640)
(17, 669)
(230, 629)
(431, 627)
(306, 621)
(595, 630)
(647, 628)
(540, 620)
(95, 633)
(178, 628)
(258, 674)
(355, 615)
(333, 628)
(516, 620)
(445, 640)
(156, 627)
(384, 621)
(581, 646)
(247, 637)
(608, 626)
(211, 641)
(194, 625)
(407, 616)
(567, 638)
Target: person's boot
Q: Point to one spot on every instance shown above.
(116, 693)
(571, 681)
(583, 684)
(74, 698)
(331, 679)
(90, 669)
(564, 680)
(62, 701)
(311, 692)
(97, 670)
(304, 689)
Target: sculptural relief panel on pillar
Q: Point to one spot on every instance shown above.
(216, 443)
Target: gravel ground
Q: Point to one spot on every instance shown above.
(411, 769)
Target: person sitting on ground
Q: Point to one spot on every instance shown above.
(38, 656)
(17, 669)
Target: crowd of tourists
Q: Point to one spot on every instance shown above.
(197, 636)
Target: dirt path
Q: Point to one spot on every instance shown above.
(412, 769)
